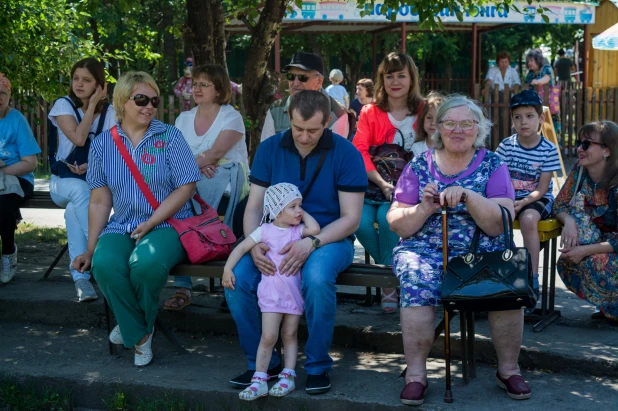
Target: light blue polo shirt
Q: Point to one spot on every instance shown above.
(278, 161)
(17, 141)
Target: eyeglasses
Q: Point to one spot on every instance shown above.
(142, 100)
(585, 145)
(201, 85)
(303, 78)
(465, 125)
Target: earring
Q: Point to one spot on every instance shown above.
(605, 158)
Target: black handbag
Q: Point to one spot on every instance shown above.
(389, 159)
(492, 281)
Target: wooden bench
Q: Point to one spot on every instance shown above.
(361, 275)
(42, 199)
(549, 231)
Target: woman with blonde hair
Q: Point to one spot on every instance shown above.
(132, 254)
(390, 119)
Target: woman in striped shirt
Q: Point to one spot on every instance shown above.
(132, 253)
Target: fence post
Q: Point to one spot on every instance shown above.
(170, 111)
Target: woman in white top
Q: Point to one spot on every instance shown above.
(215, 132)
(503, 74)
(77, 118)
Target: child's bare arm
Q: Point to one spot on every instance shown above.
(238, 252)
(347, 101)
(311, 226)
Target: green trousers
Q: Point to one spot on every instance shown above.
(131, 277)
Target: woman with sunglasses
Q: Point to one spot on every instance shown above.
(389, 119)
(78, 117)
(215, 132)
(473, 182)
(132, 253)
(587, 207)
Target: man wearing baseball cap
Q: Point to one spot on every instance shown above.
(305, 72)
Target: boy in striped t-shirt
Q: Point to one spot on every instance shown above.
(531, 159)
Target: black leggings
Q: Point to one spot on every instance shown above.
(10, 215)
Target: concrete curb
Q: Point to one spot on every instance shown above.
(210, 320)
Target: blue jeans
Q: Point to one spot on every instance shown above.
(319, 292)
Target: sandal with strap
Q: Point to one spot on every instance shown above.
(178, 301)
(257, 389)
(389, 302)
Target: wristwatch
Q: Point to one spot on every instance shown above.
(314, 241)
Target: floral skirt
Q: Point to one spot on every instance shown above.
(594, 279)
(420, 275)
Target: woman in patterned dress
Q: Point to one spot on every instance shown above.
(475, 181)
(587, 207)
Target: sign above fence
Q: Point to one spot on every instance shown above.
(346, 11)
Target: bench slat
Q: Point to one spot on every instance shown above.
(364, 275)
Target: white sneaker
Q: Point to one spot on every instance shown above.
(8, 266)
(85, 290)
(143, 353)
(115, 337)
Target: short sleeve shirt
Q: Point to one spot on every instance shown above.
(163, 158)
(17, 141)
(278, 161)
(63, 108)
(338, 92)
(511, 78)
(545, 71)
(526, 164)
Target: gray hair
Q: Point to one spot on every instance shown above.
(535, 55)
(457, 100)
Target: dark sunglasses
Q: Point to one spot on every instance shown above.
(586, 144)
(303, 78)
(143, 100)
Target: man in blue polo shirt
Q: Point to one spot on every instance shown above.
(329, 172)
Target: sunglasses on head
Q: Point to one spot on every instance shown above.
(586, 144)
(303, 78)
(143, 100)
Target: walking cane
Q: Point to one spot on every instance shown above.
(448, 394)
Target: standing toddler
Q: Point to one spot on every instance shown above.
(279, 295)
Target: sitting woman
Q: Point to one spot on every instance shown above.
(132, 253)
(215, 132)
(79, 117)
(587, 207)
(18, 150)
(426, 124)
(391, 119)
(473, 182)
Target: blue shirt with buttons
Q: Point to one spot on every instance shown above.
(278, 161)
(163, 158)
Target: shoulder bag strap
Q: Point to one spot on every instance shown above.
(507, 225)
(102, 119)
(315, 174)
(79, 117)
(141, 183)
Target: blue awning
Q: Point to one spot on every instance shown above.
(608, 40)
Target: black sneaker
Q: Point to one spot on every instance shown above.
(244, 379)
(317, 384)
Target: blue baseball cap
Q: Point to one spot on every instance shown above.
(526, 98)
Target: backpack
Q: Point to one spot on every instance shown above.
(78, 154)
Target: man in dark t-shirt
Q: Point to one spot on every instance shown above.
(563, 66)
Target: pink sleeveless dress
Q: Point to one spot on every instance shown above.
(280, 293)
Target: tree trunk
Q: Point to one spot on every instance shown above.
(169, 72)
(205, 32)
(259, 84)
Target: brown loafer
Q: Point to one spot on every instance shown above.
(413, 393)
(515, 386)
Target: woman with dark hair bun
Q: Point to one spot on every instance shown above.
(79, 117)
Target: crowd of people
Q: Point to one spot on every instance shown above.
(309, 194)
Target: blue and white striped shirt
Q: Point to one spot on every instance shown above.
(164, 159)
(527, 164)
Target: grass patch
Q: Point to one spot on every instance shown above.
(13, 398)
(119, 402)
(28, 233)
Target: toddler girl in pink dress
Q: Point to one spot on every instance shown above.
(279, 295)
